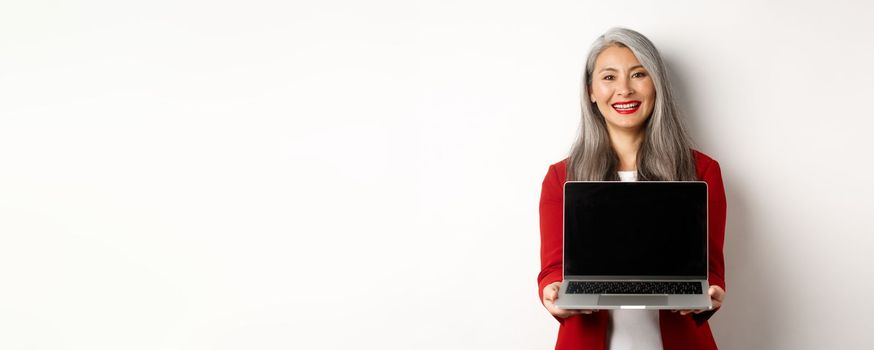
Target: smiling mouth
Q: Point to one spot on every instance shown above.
(626, 107)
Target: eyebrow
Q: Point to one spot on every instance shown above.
(614, 69)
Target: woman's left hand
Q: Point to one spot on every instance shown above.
(716, 297)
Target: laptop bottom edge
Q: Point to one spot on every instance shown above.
(606, 301)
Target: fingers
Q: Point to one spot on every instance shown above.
(716, 303)
(550, 292)
(717, 294)
(550, 295)
(567, 313)
(555, 311)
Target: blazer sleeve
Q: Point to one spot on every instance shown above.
(716, 211)
(551, 197)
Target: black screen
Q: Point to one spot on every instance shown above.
(635, 228)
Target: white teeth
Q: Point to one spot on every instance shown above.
(626, 105)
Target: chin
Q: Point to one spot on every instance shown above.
(635, 124)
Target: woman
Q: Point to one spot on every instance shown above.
(630, 131)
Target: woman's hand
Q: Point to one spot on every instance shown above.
(716, 297)
(550, 295)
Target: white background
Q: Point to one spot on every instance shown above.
(332, 175)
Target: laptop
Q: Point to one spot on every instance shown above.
(635, 245)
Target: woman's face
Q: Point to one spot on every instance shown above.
(622, 89)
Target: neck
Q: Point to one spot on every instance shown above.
(626, 144)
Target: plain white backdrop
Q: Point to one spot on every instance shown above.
(341, 174)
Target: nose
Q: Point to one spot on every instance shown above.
(623, 88)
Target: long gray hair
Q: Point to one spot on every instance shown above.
(665, 153)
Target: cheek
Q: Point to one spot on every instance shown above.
(643, 86)
(600, 92)
(648, 89)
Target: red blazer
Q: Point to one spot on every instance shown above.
(590, 331)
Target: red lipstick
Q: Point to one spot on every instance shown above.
(628, 107)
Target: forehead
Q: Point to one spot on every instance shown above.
(616, 57)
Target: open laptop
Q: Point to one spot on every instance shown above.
(635, 245)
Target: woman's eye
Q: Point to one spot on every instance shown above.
(608, 77)
(638, 75)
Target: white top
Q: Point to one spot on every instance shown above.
(634, 329)
(627, 176)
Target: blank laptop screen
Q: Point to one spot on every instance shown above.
(635, 229)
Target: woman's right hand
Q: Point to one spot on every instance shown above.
(550, 295)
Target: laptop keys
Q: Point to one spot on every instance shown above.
(591, 287)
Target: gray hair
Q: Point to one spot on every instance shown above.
(665, 153)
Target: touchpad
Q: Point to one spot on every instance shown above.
(633, 300)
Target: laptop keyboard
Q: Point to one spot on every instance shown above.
(588, 287)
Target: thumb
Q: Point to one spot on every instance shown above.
(550, 292)
(716, 292)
